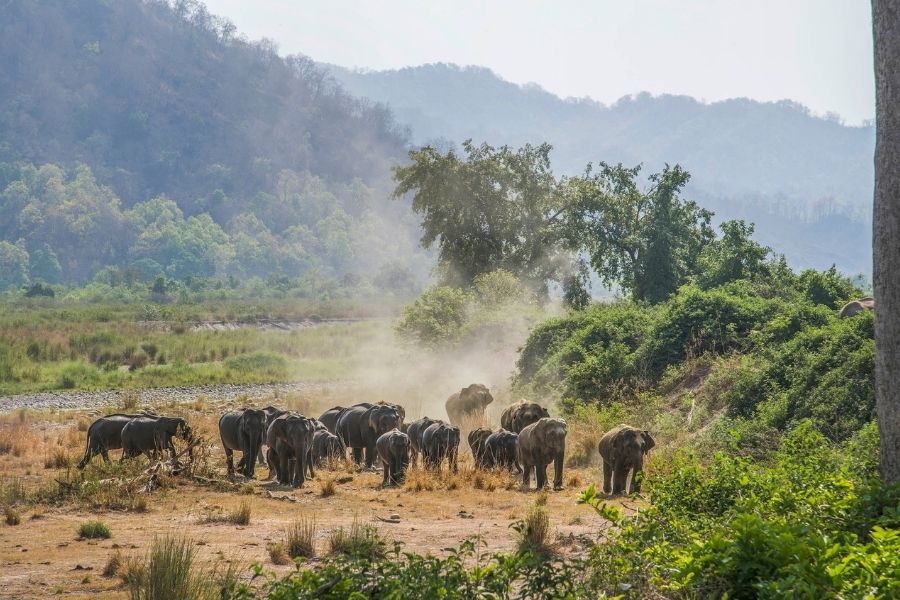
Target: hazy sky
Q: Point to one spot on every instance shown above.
(817, 52)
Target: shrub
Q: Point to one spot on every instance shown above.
(138, 360)
(532, 532)
(358, 540)
(436, 318)
(300, 538)
(169, 571)
(12, 516)
(94, 529)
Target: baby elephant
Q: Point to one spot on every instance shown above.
(501, 450)
(540, 444)
(326, 446)
(393, 450)
(623, 449)
(440, 441)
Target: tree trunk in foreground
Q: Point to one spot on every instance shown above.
(886, 29)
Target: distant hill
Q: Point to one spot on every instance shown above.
(270, 165)
(806, 181)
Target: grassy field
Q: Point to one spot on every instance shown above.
(51, 347)
(233, 525)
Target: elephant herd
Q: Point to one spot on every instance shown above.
(528, 441)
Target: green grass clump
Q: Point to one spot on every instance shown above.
(358, 540)
(94, 529)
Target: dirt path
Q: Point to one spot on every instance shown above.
(152, 396)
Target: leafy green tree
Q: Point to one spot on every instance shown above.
(648, 242)
(733, 256)
(45, 265)
(13, 265)
(492, 208)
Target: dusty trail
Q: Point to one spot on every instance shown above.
(69, 400)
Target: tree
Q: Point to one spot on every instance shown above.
(490, 209)
(886, 29)
(733, 256)
(647, 242)
(13, 265)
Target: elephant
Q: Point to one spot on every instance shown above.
(393, 450)
(150, 435)
(360, 426)
(326, 446)
(476, 439)
(243, 429)
(105, 434)
(501, 449)
(415, 431)
(289, 438)
(272, 413)
(469, 402)
(540, 444)
(521, 414)
(623, 449)
(330, 418)
(855, 307)
(440, 441)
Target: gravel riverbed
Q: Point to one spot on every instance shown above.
(94, 399)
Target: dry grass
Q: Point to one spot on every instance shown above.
(277, 553)
(300, 538)
(58, 459)
(533, 532)
(327, 485)
(12, 516)
(113, 564)
(236, 516)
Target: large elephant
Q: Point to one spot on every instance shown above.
(105, 434)
(623, 449)
(326, 446)
(518, 416)
(360, 426)
(476, 439)
(440, 441)
(540, 444)
(151, 435)
(468, 403)
(501, 450)
(415, 431)
(289, 438)
(855, 307)
(330, 418)
(393, 450)
(243, 429)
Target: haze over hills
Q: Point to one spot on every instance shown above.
(805, 181)
(173, 146)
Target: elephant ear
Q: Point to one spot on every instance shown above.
(649, 442)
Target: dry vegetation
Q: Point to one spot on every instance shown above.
(232, 524)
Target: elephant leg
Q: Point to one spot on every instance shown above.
(284, 474)
(526, 476)
(386, 479)
(310, 462)
(607, 476)
(620, 475)
(301, 469)
(453, 460)
(229, 461)
(370, 456)
(558, 472)
(636, 477)
(413, 456)
(357, 456)
(104, 453)
(541, 475)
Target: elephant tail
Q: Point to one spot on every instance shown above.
(87, 451)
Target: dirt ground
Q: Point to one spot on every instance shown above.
(43, 555)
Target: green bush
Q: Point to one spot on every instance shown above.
(437, 317)
(94, 529)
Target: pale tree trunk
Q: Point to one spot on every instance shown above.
(886, 28)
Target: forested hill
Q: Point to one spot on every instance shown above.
(805, 181)
(264, 162)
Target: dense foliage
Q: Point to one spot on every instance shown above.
(145, 134)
